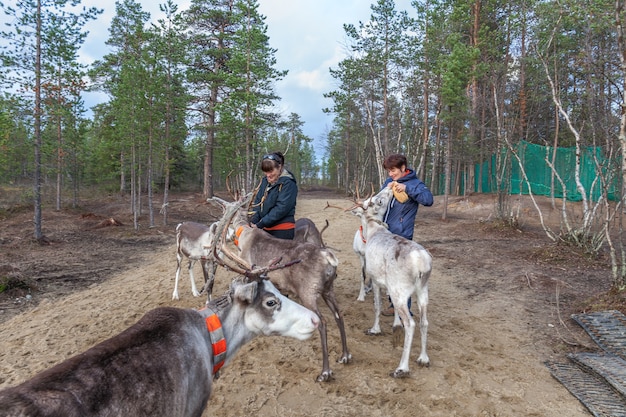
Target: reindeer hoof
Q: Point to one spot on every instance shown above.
(325, 376)
(371, 332)
(345, 358)
(423, 363)
(399, 373)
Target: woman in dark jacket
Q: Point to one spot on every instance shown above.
(400, 216)
(274, 206)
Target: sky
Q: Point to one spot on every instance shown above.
(308, 36)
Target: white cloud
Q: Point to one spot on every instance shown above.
(308, 36)
(312, 80)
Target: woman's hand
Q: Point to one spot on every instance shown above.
(397, 187)
(399, 192)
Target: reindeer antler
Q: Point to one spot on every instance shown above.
(219, 244)
(328, 205)
(357, 203)
(238, 264)
(261, 273)
(254, 192)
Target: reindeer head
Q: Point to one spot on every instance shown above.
(377, 205)
(374, 206)
(226, 257)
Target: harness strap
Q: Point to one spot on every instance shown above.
(218, 341)
(282, 226)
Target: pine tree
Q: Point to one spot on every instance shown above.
(30, 61)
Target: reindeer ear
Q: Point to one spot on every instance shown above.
(246, 293)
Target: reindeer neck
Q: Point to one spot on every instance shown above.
(240, 220)
(373, 225)
(230, 318)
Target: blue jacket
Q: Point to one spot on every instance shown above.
(275, 204)
(400, 217)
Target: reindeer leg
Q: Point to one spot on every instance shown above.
(331, 302)
(402, 311)
(208, 285)
(422, 303)
(194, 289)
(179, 259)
(368, 284)
(363, 290)
(375, 330)
(327, 373)
(205, 272)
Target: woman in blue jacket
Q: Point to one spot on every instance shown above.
(400, 216)
(274, 206)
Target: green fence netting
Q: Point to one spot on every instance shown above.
(536, 159)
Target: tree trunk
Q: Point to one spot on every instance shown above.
(207, 191)
(446, 193)
(149, 179)
(122, 174)
(59, 164)
(620, 274)
(426, 133)
(37, 175)
(434, 184)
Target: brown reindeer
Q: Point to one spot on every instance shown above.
(311, 278)
(307, 231)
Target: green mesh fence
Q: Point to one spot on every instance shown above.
(536, 160)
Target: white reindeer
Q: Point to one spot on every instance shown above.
(358, 245)
(402, 267)
(165, 364)
(194, 242)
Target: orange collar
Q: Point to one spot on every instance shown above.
(237, 234)
(218, 341)
(361, 232)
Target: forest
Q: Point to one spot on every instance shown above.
(192, 94)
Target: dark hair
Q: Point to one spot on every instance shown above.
(271, 161)
(395, 160)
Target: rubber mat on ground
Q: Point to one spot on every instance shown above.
(609, 367)
(607, 329)
(599, 398)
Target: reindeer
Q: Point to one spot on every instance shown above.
(306, 231)
(165, 364)
(308, 280)
(192, 242)
(358, 246)
(403, 268)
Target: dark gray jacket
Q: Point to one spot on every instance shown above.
(275, 204)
